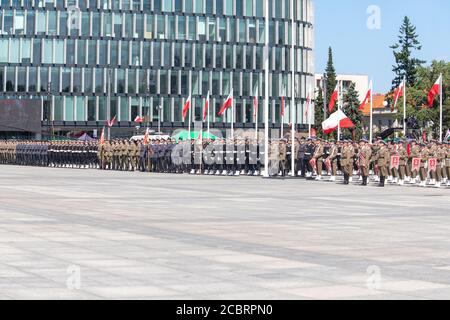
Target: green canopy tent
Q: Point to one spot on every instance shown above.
(184, 135)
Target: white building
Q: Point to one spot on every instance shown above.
(361, 83)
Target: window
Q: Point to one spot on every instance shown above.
(4, 44)
(80, 110)
(59, 51)
(125, 52)
(19, 24)
(65, 79)
(68, 116)
(21, 79)
(48, 51)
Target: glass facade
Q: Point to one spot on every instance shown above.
(85, 58)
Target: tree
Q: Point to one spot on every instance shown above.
(318, 114)
(416, 102)
(351, 109)
(330, 72)
(405, 64)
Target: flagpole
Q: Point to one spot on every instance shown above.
(309, 111)
(404, 107)
(339, 108)
(207, 120)
(256, 113)
(441, 108)
(293, 114)
(371, 112)
(266, 92)
(232, 115)
(189, 121)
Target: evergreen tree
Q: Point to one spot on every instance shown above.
(405, 64)
(318, 115)
(351, 109)
(330, 72)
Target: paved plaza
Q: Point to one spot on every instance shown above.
(88, 234)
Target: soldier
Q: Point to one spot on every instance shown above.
(447, 162)
(282, 157)
(382, 160)
(348, 153)
(318, 156)
(364, 157)
(415, 153)
(403, 161)
(424, 156)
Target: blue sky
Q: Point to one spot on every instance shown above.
(342, 24)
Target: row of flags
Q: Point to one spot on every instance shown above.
(335, 121)
(398, 93)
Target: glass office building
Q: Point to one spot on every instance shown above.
(90, 60)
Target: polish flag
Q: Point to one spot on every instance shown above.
(186, 107)
(435, 90)
(110, 123)
(334, 98)
(283, 104)
(366, 99)
(398, 93)
(255, 103)
(146, 136)
(227, 104)
(102, 137)
(138, 119)
(206, 107)
(308, 104)
(337, 119)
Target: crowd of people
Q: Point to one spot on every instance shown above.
(396, 162)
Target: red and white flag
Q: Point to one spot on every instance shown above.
(138, 119)
(283, 102)
(398, 93)
(435, 90)
(206, 107)
(308, 104)
(255, 103)
(111, 122)
(227, 104)
(146, 136)
(366, 99)
(186, 107)
(102, 137)
(334, 98)
(337, 119)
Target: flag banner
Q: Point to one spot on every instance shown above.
(432, 164)
(146, 136)
(398, 93)
(255, 103)
(227, 104)
(186, 107)
(206, 108)
(334, 98)
(336, 120)
(366, 100)
(415, 164)
(435, 90)
(111, 123)
(395, 162)
(102, 137)
(138, 119)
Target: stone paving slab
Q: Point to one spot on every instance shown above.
(88, 234)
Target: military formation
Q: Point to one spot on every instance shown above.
(395, 162)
